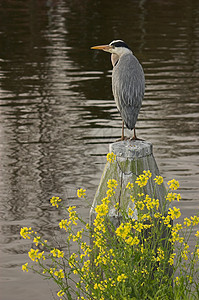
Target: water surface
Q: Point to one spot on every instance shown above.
(58, 117)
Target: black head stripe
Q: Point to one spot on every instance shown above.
(119, 44)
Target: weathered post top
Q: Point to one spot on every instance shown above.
(131, 149)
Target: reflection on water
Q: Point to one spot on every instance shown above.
(57, 115)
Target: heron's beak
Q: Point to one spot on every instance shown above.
(102, 47)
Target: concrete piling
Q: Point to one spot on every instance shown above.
(132, 158)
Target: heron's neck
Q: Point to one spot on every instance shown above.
(114, 59)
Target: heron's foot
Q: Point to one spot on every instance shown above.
(123, 138)
(135, 138)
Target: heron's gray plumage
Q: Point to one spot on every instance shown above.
(128, 85)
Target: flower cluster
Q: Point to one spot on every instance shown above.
(134, 254)
(25, 232)
(125, 232)
(59, 274)
(81, 193)
(174, 212)
(143, 178)
(57, 253)
(111, 157)
(73, 214)
(158, 180)
(173, 184)
(60, 293)
(25, 267)
(172, 197)
(55, 200)
(112, 184)
(35, 255)
(129, 185)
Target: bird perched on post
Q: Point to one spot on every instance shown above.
(128, 83)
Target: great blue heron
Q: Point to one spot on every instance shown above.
(128, 83)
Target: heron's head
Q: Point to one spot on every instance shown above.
(117, 47)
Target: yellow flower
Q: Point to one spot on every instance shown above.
(111, 157)
(112, 184)
(54, 201)
(175, 236)
(147, 173)
(177, 227)
(72, 214)
(158, 180)
(177, 280)
(105, 200)
(130, 212)
(87, 226)
(64, 224)
(145, 217)
(151, 204)
(110, 193)
(35, 255)
(78, 235)
(141, 180)
(81, 193)
(98, 224)
(132, 241)
(85, 267)
(51, 270)
(72, 260)
(173, 184)
(160, 253)
(117, 205)
(123, 230)
(195, 220)
(59, 274)
(57, 253)
(197, 233)
(187, 222)
(171, 258)
(190, 278)
(139, 205)
(102, 209)
(25, 232)
(197, 252)
(138, 226)
(129, 186)
(140, 194)
(175, 213)
(37, 240)
(60, 293)
(184, 254)
(171, 197)
(121, 277)
(167, 220)
(157, 215)
(178, 197)
(25, 267)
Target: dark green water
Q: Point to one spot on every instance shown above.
(57, 114)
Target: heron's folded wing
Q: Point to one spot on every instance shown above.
(128, 85)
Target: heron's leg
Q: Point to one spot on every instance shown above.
(134, 135)
(122, 137)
